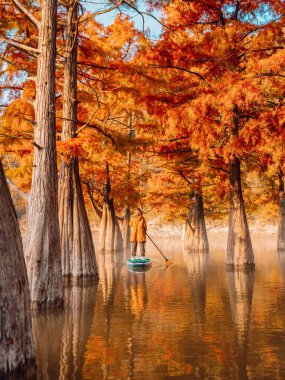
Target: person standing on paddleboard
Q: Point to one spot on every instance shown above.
(138, 232)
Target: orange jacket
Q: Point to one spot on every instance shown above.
(138, 229)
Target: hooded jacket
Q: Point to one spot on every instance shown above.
(138, 229)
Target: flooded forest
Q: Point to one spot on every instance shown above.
(142, 197)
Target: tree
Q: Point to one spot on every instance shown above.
(16, 349)
(77, 249)
(205, 56)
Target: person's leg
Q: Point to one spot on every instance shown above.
(142, 248)
(134, 245)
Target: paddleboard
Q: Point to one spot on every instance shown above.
(139, 262)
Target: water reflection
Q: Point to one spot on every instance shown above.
(191, 320)
(60, 336)
(240, 291)
(196, 264)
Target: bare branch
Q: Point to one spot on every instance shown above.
(20, 191)
(102, 11)
(18, 45)
(185, 178)
(16, 137)
(150, 15)
(94, 206)
(180, 69)
(30, 16)
(10, 87)
(86, 124)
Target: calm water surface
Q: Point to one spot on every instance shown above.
(191, 320)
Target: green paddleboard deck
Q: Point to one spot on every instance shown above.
(139, 262)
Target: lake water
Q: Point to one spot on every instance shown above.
(190, 320)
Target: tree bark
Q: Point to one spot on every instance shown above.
(77, 248)
(126, 231)
(239, 248)
(110, 236)
(16, 346)
(42, 243)
(195, 238)
(281, 216)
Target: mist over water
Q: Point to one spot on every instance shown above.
(190, 320)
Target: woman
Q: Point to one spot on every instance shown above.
(138, 232)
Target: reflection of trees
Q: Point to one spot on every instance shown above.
(281, 260)
(240, 285)
(110, 265)
(60, 337)
(196, 264)
(47, 331)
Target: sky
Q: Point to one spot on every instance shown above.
(151, 25)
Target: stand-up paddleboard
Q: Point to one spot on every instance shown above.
(139, 262)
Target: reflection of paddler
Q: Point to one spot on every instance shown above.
(138, 232)
(138, 294)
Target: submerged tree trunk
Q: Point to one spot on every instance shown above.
(239, 248)
(110, 237)
(77, 248)
(16, 346)
(42, 243)
(195, 238)
(281, 217)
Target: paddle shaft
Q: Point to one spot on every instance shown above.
(156, 247)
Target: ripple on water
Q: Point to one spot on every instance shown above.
(190, 320)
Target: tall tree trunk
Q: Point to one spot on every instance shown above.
(110, 237)
(241, 291)
(77, 248)
(281, 217)
(126, 231)
(239, 248)
(16, 346)
(42, 243)
(195, 238)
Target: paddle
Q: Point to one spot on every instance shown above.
(166, 259)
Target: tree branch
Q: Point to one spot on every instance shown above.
(94, 206)
(150, 15)
(102, 11)
(20, 191)
(30, 16)
(185, 178)
(18, 45)
(180, 69)
(97, 128)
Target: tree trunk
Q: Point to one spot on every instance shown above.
(239, 248)
(16, 346)
(110, 236)
(42, 243)
(281, 217)
(195, 238)
(126, 231)
(241, 291)
(77, 248)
